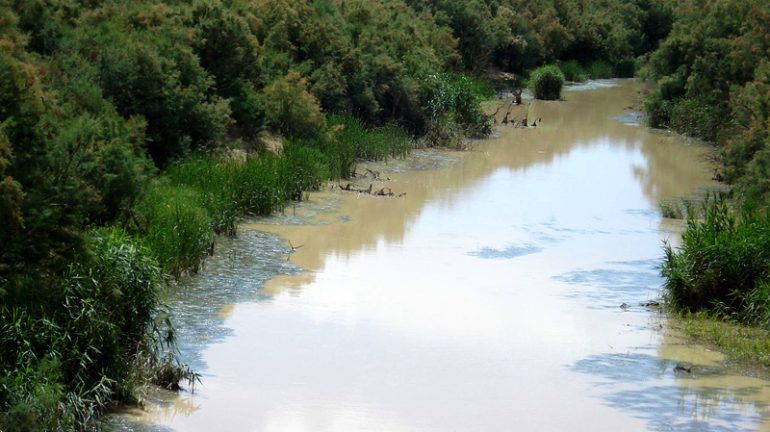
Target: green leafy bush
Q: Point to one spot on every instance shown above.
(291, 110)
(723, 264)
(573, 71)
(454, 111)
(61, 366)
(600, 69)
(547, 82)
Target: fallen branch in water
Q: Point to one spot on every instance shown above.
(384, 192)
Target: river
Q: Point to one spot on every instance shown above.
(487, 298)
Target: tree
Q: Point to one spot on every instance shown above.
(290, 109)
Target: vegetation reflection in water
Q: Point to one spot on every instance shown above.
(400, 323)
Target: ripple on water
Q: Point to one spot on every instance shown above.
(629, 282)
(307, 212)
(418, 160)
(631, 118)
(236, 272)
(592, 85)
(509, 252)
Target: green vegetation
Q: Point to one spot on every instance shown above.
(132, 133)
(678, 210)
(573, 71)
(66, 360)
(723, 265)
(712, 81)
(600, 69)
(351, 140)
(546, 82)
(743, 346)
(719, 281)
(518, 35)
(178, 230)
(710, 72)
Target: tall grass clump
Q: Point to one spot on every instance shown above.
(454, 112)
(177, 229)
(258, 185)
(480, 88)
(465, 95)
(204, 195)
(626, 68)
(341, 145)
(600, 69)
(65, 361)
(302, 169)
(228, 189)
(573, 71)
(214, 181)
(677, 210)
(369, 143)
(546, 82)
(723, 265)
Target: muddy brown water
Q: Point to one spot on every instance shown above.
(486, 299)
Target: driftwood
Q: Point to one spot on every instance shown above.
(375, 174)
(384, 192)
(494, 116)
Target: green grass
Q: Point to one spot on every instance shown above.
(369, 143)
(258, 185)
(63, 363)
(228, 189)
(205, 195)
(744, 346)
(719, 281)
(176, 228)
(573, 71)
(676, 210)
(600, 69)
(302, 169)
(215, 186)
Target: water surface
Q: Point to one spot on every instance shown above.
(488, 298)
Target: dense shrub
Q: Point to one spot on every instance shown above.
(600, 69)
(546, 82)
(747, 154)
(92, 93)
(290, 109)
(713, 51)
(723, 264)
(454, 110)
(573, 71)
(63, 364)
